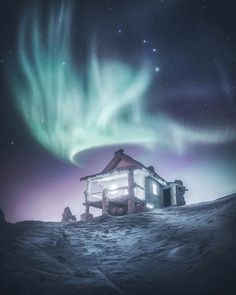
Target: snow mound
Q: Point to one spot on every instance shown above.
(179, 250)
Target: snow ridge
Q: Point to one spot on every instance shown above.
(180, 250)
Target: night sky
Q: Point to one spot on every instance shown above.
(156, 78)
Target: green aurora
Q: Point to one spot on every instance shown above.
(69, 110)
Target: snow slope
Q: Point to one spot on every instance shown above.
(180, 250)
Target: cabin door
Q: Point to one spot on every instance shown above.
(166, 197)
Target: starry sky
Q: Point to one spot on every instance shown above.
(177, 58)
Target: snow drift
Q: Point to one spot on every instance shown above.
(180, 250)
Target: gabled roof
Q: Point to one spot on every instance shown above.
(122, 160)
(119, 162)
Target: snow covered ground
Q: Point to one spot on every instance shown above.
(180, 250)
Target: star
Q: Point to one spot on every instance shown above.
(12, 142)
(144, 41)
(2, 61)
(63, 63)
(154, 50)
(157, 69)
(119, 31)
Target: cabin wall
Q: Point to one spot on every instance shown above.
(180, 196)
(139, 179)
(122, 164)
(177, 195)
(170, 195)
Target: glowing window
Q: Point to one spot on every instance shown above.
(154, 188)
(113, 189)
(139, 178)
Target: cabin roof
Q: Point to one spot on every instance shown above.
(101, 174)
(119, 158)
(122, 162)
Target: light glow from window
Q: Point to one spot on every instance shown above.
(113, 188)
(154, 188)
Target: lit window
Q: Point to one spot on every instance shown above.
(154, 188)
(113, 188)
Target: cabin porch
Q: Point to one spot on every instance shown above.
(115, 193)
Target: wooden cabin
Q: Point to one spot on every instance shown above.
(126, 186)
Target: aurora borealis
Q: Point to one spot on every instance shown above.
(66, 111)
(83, 78)
(102, 102)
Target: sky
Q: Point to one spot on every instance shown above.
(81, 79)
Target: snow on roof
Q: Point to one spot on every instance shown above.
(122, 162)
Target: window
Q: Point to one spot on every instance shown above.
(139, 177)
(154, 188)
(113, 188)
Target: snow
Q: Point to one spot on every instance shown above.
(179, 250)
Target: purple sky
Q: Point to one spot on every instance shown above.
(40, 190)
(195, 45)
